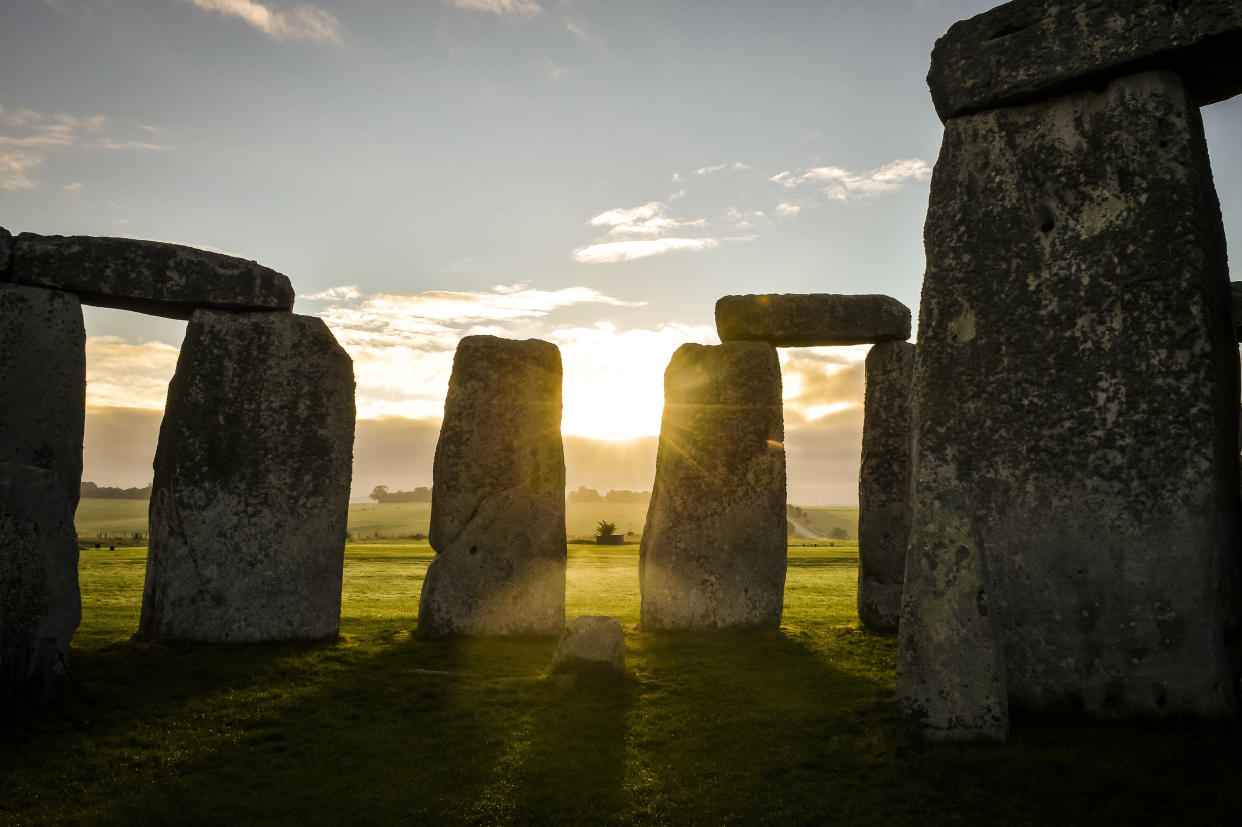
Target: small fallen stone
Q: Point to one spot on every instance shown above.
(591, 643)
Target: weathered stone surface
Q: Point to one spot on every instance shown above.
(811, 319)
(40, 606)
(1076, 380)
(251, 488)
(1235, 289)
(713, 550)
(147, 276)
(6, 253)
(1031, 49)
(591, 643)
(43, 382)
(950, 671)
(884, 484)
(498, 495)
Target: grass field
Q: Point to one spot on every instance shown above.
(379, 726)
(375, 521)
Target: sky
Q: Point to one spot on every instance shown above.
(591, 173)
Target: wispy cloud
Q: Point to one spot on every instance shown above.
(736, 166)
(302, 23)
(342, 293)
(842, 185)
(785, 209)
(819, 382)
(517, 8)
(126, 374)
(28, 138)
(639, 232)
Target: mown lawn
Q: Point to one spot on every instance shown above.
(788, 726)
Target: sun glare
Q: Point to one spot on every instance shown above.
(614, 381)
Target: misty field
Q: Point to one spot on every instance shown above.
(98, 518)
(788, 726)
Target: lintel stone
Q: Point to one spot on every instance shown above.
(147, 276)
(1031, 49)
(812, 319)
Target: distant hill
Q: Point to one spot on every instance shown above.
(91, 491)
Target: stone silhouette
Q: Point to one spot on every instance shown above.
(713, 550)
(147, 276)
(1076, 390)
(251, 488)
(883, 484)
(811, 319)
(498, 495)
(43, 382)
(40, 606)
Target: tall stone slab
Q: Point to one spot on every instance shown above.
(1076, 381)
(950, 668)
(884, 484)
(498, 495)
(40, 606)
(43, 382)
(147, 276)
(713, 550)
(1032, 49)
(251, 487)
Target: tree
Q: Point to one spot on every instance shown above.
(838, 533)
(585, 495)
(379, 493)
(604, 528)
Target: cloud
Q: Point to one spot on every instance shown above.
(343, 293)
(302, 23)
(736, 165)
(517, 8)
(29, 138)
(614, 251)
(842, 185)
(785, 209)
(124, 374)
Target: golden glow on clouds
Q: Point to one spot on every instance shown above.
(302, 23)
(128, 375)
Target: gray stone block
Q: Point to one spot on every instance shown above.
(43, 382)
(713, 550)
(498, 495)
(40, 606)
(6, 253)
(147, 276)
(1031, 49)
(884, 484)
(1235, 290)
(251, 488)
(591, 643)
(811, 319)
(1076, 380)
(950, 670)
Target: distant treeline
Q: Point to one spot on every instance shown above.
(590, 495)
(381, 494)
(106, 492)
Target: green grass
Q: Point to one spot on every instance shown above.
(780, 727)
(376, 521)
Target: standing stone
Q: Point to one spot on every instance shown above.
(950, 670)
(591, 643)
(40, 606)
(811, 319)
(498, 495)
(1235, 289)
(713, 550)
(1031, 49)
(1076, 380)
(884, 485)
(6, 253)
(147, 276)
(43, 382)
(251, 487)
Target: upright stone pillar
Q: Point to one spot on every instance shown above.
(251, 488)
(884, 485)
(43, 382)
(498, 495)
(40, 606)
(1076, 382)
(714, 547)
